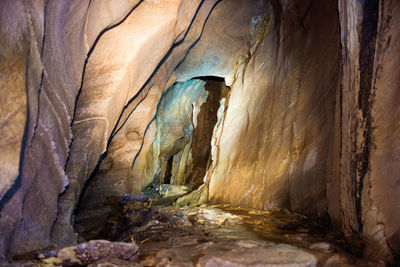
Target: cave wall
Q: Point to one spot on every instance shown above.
(275, 156)
(281, 107)
(230, 30)
(310, 123)
(364, 192)
(29, 206)
(122, 168)
(61, 38)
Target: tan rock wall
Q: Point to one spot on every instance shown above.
(56, 48)
(274, 142)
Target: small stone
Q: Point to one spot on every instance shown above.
(126, 198)
(322, 247)
(147, 225)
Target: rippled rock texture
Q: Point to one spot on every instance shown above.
(303, 114)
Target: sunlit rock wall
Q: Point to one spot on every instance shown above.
(273, 146)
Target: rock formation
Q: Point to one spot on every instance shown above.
(269, 103)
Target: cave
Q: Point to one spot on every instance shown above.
(199, 133)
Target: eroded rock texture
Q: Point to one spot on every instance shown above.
(309, 121)
(364, 192)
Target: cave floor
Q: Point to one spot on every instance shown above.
(218, 235)
(226, 236)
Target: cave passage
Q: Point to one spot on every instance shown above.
(204, 118)
(182, 148)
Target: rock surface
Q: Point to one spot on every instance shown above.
(243, 254)
(226, 236)
(278, 156)
(90, 253)
(364, 191)
(194, 198)
(167, 193)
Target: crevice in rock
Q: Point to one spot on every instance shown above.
(206, 120)
(180, 154)
(366, 61)
(168, 171)
(144, 135)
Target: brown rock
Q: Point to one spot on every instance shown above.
(90, 252)
(195, 198)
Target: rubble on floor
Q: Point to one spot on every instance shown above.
(221, 235)
(165, 194)
(91, 253)
(205, 235)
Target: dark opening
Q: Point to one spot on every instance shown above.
(210, 78)
(206, 120)
(168, 171)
